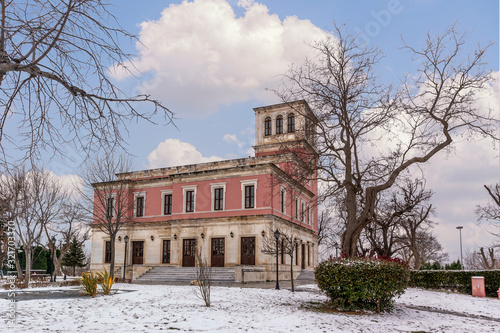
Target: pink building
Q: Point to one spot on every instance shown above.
(227, 209)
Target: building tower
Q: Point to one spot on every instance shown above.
(286, 127)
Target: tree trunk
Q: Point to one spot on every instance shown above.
(112, 263)
(74, 269)
(418, 261)
(27, 274)
(349, 239)
(291, 273)
(18, 265)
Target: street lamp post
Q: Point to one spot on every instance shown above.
(52, 269)
(125, 257)
(277, 236)
(461, 257)
(336, 249)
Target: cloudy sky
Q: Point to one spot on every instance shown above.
(212, 61)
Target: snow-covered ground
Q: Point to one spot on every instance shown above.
(155, 308)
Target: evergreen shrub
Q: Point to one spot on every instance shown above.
(362, 283)
(456, 280)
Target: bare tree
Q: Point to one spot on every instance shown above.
(107, 199)
(55, 59)
(330, 228)
(287, 246)
(367, 134)
(204, 278)
(481, 260)
(488, 263)
(4, 240)
(34, 199)
(491, 212)
(72, 222)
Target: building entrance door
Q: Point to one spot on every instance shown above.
(188, 252)
(248, 250)
(218, 252)
(137, 253)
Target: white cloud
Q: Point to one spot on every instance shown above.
(172, 152)
(199, 55)
(231, 138)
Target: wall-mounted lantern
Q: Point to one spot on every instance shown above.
(263, 233)
(231, 234)
(175, 236)
(202, 235)
(152, 237)
(119, 238)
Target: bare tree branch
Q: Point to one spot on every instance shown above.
(56, 63)
(368, 134)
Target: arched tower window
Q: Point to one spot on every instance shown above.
(279, 125)
(291, 123)
(267, 126)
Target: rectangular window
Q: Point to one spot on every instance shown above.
(308, 255)
(110, 207)
(308, 215)
(302, 212)
(107, 252)
(283, 203)
(139, 206)
(296, 253)
(167, 204)
(166, 252)
(297, 208)
(249, 196)
(219, 199)
(189, 201)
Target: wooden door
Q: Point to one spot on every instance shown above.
(218, 252)
(137, 253)
(248, 250)
(303, 256)
(188, 252)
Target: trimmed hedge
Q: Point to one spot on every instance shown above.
(362, 283)
(457, 280)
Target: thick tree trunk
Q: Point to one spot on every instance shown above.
(418, 261)
(27, 274)
(349, 246)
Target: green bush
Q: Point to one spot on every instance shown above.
(456, 280)
(362, 283)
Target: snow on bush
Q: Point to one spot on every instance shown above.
(362, 283)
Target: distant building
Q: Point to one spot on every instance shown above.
(225, 209)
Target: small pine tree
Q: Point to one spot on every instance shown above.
(75, 257)
(453, 266)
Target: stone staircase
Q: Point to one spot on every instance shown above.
(306, 277)
(166, 274)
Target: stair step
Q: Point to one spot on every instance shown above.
(183, 274)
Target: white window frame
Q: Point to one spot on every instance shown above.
(110, 196)
(163, 193)
(247, 183)
(184, 190)
(283, 200)
(215, 186)
(138, 195)
(297, 208)
(308, 213)
(302, 211)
